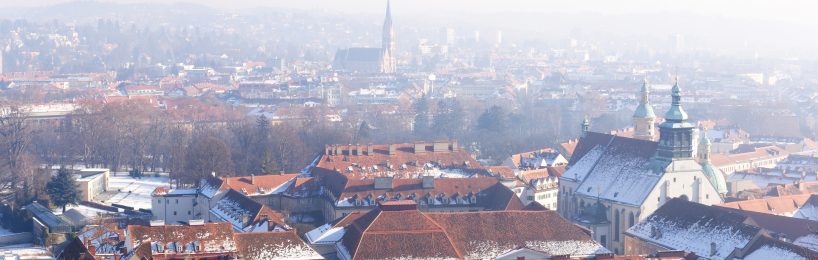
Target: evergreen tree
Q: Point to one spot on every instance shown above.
(62, 189)
(450, 119)
(421, 116)
(363, 131)
(493, 119)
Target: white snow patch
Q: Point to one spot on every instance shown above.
(769, 252)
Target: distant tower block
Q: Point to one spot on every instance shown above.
(644, 118)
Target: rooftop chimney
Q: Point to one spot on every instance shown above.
(454, 145)
(252, 179)
(428, 182)
(349, 149)
(382, 183)
(369, 149)
(196, 222)
(440, 146)
(326, 149)
(157, 223)
(420, 148)
(360, 149)
(393, 149)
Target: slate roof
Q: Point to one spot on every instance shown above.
(613, 167)
(692, 227)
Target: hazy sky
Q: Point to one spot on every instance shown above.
(795, 11)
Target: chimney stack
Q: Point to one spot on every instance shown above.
(440, 146)
(252, 179)
(454, 145)
(428, 182)
(349, 149)
(326, 149)
(382, 183)
(360, 149)
(393, 149)
(420, 148)
(369, 149)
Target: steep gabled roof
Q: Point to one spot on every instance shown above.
(614, 168)
(395, 232)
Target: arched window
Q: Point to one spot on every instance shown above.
(616, 225)
(630, 220)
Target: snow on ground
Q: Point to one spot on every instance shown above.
(128, 191)
(25, 251)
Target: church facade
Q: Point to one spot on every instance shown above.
(371, 60)
(613, 182)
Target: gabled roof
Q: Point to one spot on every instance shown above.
(613, 168)
(261, 184)
(246, 214)
(395, 232)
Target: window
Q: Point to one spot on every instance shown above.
(159, 201)
(616, 225)
(188, 212)
(177, 201)
(174, 213)
(603, 240)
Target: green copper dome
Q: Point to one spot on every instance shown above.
(676, 113)
(715, 176)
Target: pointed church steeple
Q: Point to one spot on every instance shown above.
(388, 44)
(675, 134)
(643, 116)
(586, 126)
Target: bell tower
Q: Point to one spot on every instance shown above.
(676, 134)
(643, 117)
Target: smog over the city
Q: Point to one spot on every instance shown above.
(408, 129)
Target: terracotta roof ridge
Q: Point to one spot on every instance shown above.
(382, 232)
(448, 237)
(363, 232)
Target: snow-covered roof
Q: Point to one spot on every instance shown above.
(693, 227)
(617, 170)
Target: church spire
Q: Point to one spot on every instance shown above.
(643, 116)
(388, 44)
(676, 113)
(676, 134)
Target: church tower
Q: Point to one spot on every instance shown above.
(388, 45)
(675, 134)
(713, 174)
(643, 117)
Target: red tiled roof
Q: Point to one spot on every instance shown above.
(403, 157)
(775, 205)
(251, 184)
(398, 230)
(214, 237)
(273, 245)
(554, 171)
